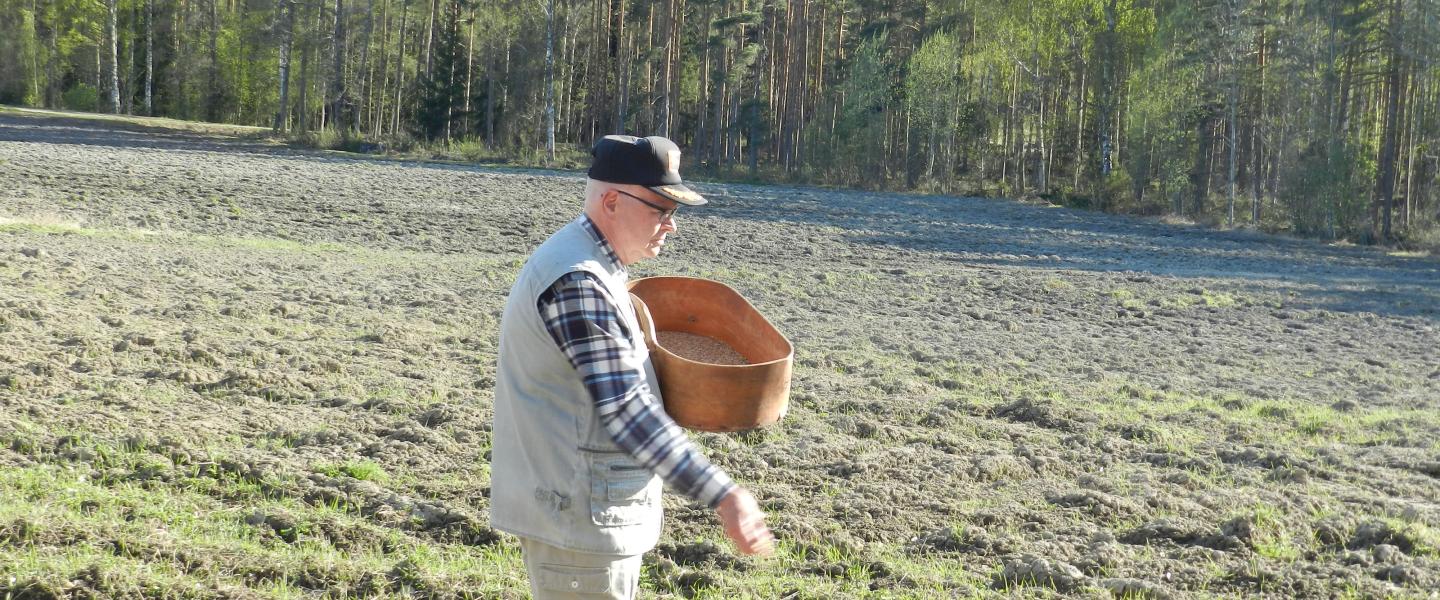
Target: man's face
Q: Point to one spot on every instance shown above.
(643, 219)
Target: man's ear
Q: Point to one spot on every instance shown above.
(609, 199)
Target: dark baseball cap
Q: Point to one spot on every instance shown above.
(653, 162)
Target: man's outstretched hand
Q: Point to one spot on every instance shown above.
(744, 523)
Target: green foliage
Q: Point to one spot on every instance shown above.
(744, 18)
(18, 56)
(81, 97)
(1161, 131)
(932, 79)
(1117, 193)
(1010, 97)
(1326, 191)
(932, 83)
(329, 138)
(442, 92)
(250, 68)
(855, 157)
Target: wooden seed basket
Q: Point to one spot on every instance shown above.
(713, 397)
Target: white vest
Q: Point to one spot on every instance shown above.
(555, 474)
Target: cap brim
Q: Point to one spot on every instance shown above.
(679, 193)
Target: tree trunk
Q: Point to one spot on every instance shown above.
(1105, 92)
(755, 111)
(780, 86)
(469, 70)
(567, 124)
(336, 94)
(399, 69)
(585, 123)
(52, 60)
(1200, 173)
(549, 82)
(1007, 139)
(794, 80)
(797, 150)
(1042, 181)
(1346, 73)
(361, 104)
(647, 79)
(302, 109)
(382, 74)
(718, 118)
(452, 37)
(286, 25)
(112, 57)
(1230, 111)
(177, 73)
(1385, 178)
(128, 97)
(621, 54)
(1335, 113)
(505, 76)
(1412, 129)
(671, 41)
(149, 58)
(489, 110)
(425, 65)
(1257, 128)
(214, 91)
(1079, 132)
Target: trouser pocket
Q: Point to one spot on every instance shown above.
(575, 580)
(559, 574)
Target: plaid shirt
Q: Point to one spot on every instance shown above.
(586, 325)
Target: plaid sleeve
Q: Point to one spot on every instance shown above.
(585, 323)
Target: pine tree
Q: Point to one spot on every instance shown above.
(442, 91)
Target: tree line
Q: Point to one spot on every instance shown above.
(1316, 116)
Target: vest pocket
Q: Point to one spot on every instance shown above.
(621, 490)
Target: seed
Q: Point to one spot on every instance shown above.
(699, 348)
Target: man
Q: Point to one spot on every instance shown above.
(581, 440)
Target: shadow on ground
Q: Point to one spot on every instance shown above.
(1003, 233)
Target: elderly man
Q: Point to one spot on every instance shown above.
(581, 439)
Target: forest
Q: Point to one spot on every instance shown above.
(1313, 117)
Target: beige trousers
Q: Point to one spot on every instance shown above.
(560, 574)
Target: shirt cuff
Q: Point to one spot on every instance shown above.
(713, 491)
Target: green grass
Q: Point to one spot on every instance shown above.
(1217, 300)
(1271, 537)
(43, 225)
(363, 470)
(1284, 421)
(143, 123)
(1056, 284)
(184, 539)
(1426, 536)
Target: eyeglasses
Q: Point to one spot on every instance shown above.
(665, 213)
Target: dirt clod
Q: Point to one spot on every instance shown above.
(1032, 570)
(1376, 533)
(1135, 589)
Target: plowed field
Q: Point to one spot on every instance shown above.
(233, 369)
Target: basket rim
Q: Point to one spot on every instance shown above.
(651, 333)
